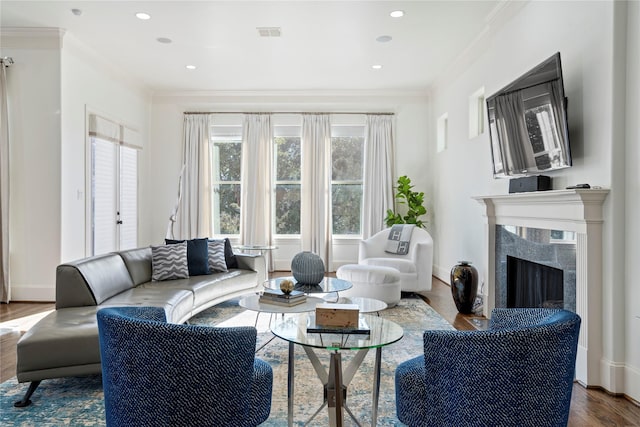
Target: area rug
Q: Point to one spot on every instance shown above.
(78, 401)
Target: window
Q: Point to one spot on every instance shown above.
(287, 153)
(226, 161)
(114, 187)
(476, 113)
(347, 150)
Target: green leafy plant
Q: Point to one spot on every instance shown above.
(414, 202)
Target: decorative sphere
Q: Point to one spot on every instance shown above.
(307, 268)
(286, 286)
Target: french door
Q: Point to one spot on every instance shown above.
(114, 190)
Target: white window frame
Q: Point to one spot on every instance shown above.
(286, 131)
(222, 134)
(338, 131)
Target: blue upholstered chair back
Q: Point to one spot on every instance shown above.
(162, 374)
(519, 372)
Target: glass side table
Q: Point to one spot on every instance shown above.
(294, 330)
(262, 250)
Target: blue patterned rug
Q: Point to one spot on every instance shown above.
(78, 401)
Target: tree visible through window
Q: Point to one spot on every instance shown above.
(226, 161)
(287, 185)
(346, 183)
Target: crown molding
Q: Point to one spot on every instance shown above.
(291, 96)
(31, 38)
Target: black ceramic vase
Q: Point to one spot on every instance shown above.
(464, 286)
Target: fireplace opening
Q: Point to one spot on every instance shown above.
(530, 284)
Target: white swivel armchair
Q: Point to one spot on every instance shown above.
(415, 267)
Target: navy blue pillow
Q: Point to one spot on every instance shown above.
(197, 255)
(229, 256)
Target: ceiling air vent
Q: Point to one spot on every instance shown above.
(269, 31)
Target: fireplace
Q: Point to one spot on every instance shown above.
(532, 264)
(561, 229)
(530, 284)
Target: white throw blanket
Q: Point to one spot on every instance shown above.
(399, 239)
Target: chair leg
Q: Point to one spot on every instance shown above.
(25, 401)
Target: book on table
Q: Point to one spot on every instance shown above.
(284, 302)
(278, 295)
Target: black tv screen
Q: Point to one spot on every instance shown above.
(528, 123)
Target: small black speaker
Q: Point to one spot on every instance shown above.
(530, 183)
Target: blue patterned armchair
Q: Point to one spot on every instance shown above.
(162, 374)
(519, 372)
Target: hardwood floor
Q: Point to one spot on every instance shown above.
(589, 407)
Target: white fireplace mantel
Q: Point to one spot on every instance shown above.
(580, 211)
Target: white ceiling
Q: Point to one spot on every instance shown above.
(325, 45)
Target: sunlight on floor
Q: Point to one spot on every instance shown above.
(22, 324)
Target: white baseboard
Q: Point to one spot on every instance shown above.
(33, 293)
(442, 273)
(632, 382)
(612, 375)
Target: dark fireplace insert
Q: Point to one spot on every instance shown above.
(530, 284)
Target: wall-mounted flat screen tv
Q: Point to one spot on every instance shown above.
(528, 123)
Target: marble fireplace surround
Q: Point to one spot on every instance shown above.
(580, 211)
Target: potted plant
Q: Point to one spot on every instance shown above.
(412, 199)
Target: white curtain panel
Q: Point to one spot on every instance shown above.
(194, 210)
(378, 173)
(257, 159)
(5, 289)
(315, 210)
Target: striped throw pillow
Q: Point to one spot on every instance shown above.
(217, 262)
(169, 262)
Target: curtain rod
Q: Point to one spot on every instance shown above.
(282, 112)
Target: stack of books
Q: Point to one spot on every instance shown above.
(277, 297)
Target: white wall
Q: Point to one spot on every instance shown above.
(166, 149)
(34, 126)
(585, 34)
(49, 86)
(91, 85)
(632, 253)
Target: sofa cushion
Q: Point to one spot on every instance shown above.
(63, 343)
(138, 262)
(169, 262)
(217, 262)
(197, 255)
(177, 303)
(104, 275)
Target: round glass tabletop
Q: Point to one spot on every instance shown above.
(328, 284)
(365, 305)
(382, 332)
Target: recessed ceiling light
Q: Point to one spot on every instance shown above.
(190, 67)
(376, 67)
(76, 12)
(164, 40)
(397, 14)
(142, 15)
(384, 39)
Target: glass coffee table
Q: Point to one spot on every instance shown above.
(327, 286)
(294, 330)
(252, 302)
